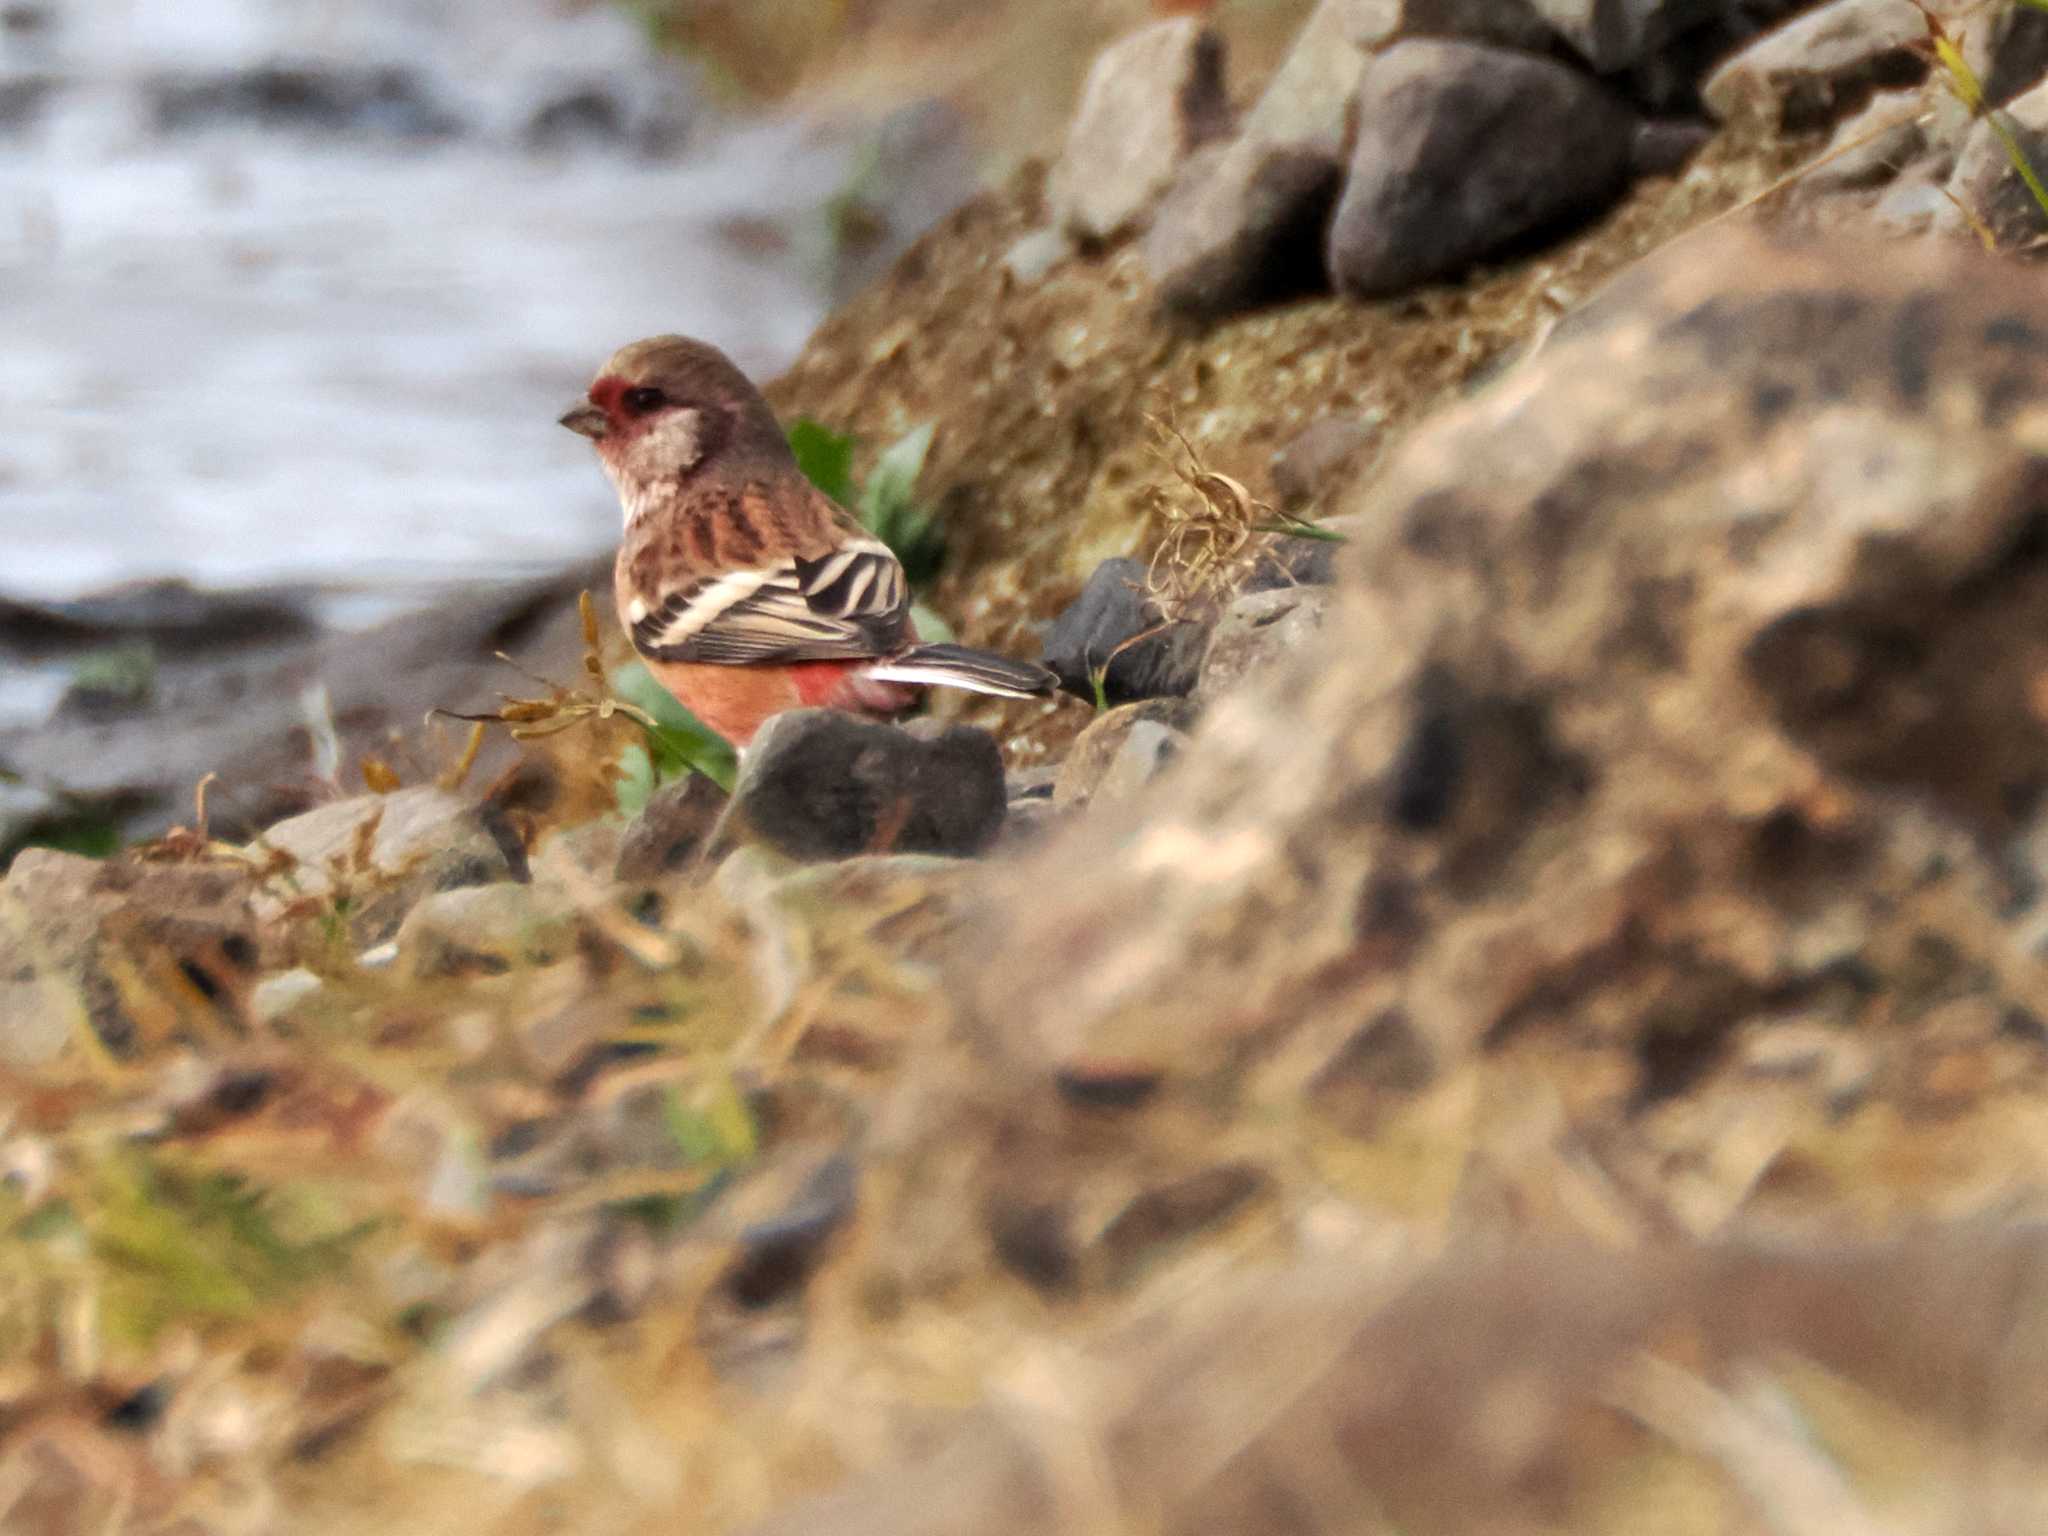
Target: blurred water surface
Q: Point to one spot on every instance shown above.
(293, 290)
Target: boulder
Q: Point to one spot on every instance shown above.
(820, 784)
(1101, 631)
(128, 947)
(1149, 100)
(1988, 188)
(380, 854)
(1242, 225)
(1671, 673)
(1463, 151)
(1824, 65)
(1258, 631)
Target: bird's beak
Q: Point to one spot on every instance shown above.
(587, 419)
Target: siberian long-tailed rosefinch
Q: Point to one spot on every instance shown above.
(745, 589)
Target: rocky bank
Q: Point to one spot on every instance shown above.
(1529, 1019)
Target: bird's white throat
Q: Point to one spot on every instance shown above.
(645, 473)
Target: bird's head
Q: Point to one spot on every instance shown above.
(662, 410)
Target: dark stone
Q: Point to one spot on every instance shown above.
(381, 99)
(1179, 1209)
(1243, 223)
(1823, 66)
(669, 830)
(1107, 1082)
(171, 616)
(819, 784)
(1465, 152)
(1034, 1241)
(778, 1255)
(1430, 766)
(1112, 609)
(1663, 145)
(2007, 47)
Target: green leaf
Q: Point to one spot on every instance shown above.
(635, 784)
(892, 486)
(889, 506)
(825, 457)
(679, 743)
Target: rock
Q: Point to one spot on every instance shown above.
(246, 713)
(1772, 619)
(820, 784)
(1462, 151)
(2006, 47)
(1824, 65)
(172, 617)
(1663, 146)
(1613, 37)
(1872, 147)
(1149, 100)
(578, 859)
(1911, 205)
(277, 998)
(1148, 748)
(1150, 731)
(386, 852)
(778, 1254)
(112, 943)
(1092, 632)
(1243, 226)
(1107, 1083)
(1314, 460)
(669, 830)
(1034, 255)
(486, 930)
(1986, 184)
(329, 99)
(1172, 1211)
(1259, 630)
(1505, 23)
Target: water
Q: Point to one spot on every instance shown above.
(315, 325)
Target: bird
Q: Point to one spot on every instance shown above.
(745, 589)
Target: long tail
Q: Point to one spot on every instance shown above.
(958, 666)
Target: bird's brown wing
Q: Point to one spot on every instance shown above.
(773, 576)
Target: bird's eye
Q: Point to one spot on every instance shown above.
(641, 401)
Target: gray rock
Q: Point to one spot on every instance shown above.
(1029, 258)
(1099, 629)
(1147, 750)
(1150, 98)
(1872, 147)
(276, 998)
(2006, 48)
(1662, 146)
(819, 784)
(578, 858)
(245, 711)
(1242, 225)
(1509, 23)
(1160, 727)
(1986, 184)
(1463, 150)
(80, 939)
(1822, 66)
(1257, 630)
(1614, 35)
(485, 930)
(425, 840)
(669, 830)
